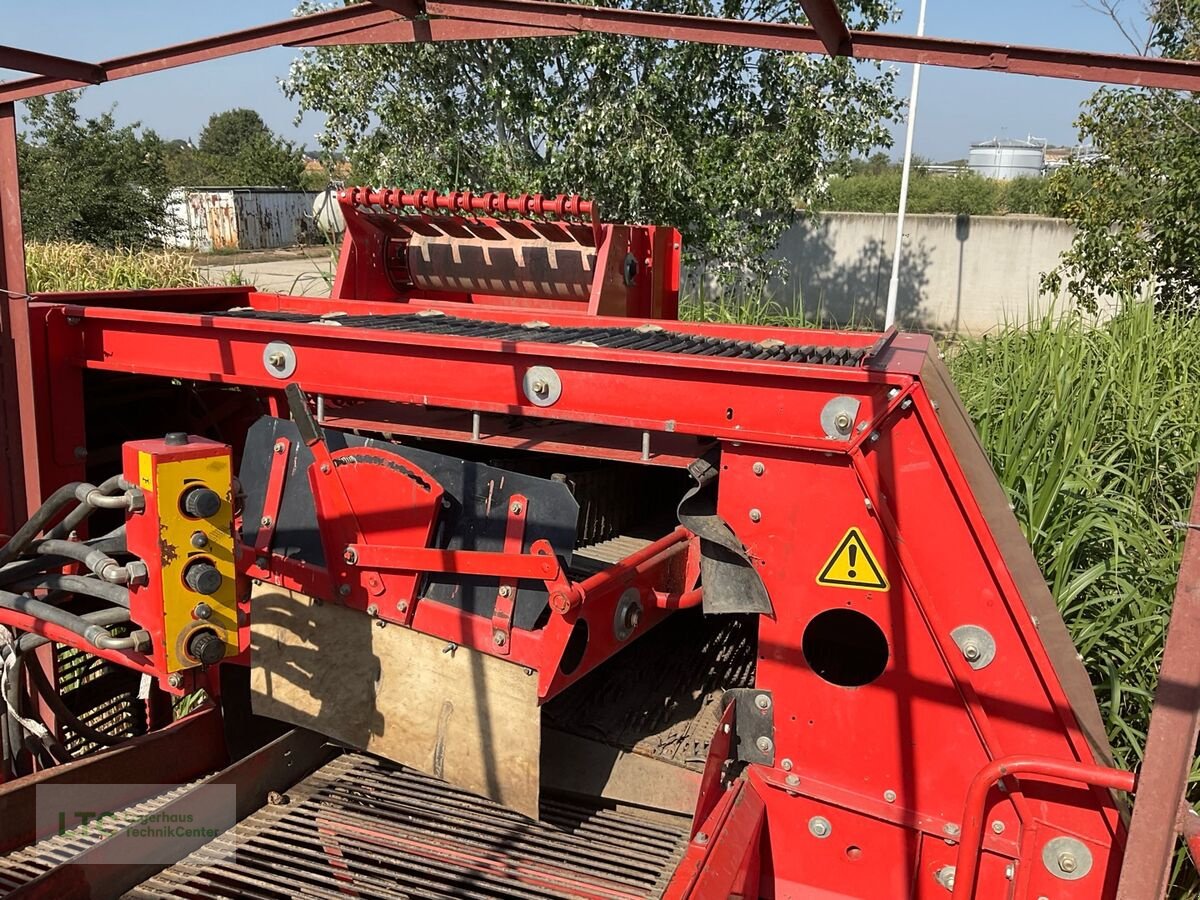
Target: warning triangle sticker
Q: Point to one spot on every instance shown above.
(853, 565)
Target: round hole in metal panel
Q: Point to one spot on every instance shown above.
(576, 647)
(845, 647)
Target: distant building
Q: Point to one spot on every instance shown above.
(1005, 160)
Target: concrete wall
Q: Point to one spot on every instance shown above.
(965, 274)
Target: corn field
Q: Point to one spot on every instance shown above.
(84, 267)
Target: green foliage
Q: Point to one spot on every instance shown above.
(1095, 434)
(718, 141)
(88, 179)
(871, 190)
(237, 148)
(1135, 204)
(85, 267)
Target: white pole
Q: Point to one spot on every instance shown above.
(894, 284)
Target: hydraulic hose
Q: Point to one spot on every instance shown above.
(63, 713)
(79, 584)
(112, 616)
(39, 520)
(113, 542)
(96, 560)
(96, 635)
(80, 513)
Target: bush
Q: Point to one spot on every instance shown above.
(83, 267)
(967, 192)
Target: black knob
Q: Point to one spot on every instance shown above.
(176, 438)
(201, 502)
(206, 648)
(202, 577)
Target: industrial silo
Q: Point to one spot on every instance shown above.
(1005, 159)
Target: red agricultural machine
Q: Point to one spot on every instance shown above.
(486, 577)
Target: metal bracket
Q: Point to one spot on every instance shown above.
(506, 594)
(754, 724)
(280, 460)
(838, 417)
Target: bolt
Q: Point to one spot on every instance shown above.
(759, 468)
(951, 829)
(862, 426)
(505, 590)
(350, 556)
(945, 877)
(893, 393)
(324, 468)
(175, 679)
(515, 509)
(755, 515)
(786, 765)
(633, 616)
(343, 590)
(842, 421)
(906, 403)
(265, 521)
(261, 561)
(971, 651)
(762, 701)
(818, 826)
(203, 611)
(701, 837)
(279, 448)
(372, 610)
(278, 359)
(793, 780)
(498, 638)
(764, 744)
(1009, 871)
(541, 387)
(998, 827)
(889, 795)
(274, 798)
(402, 606)
(874, 436)
(1067, 862)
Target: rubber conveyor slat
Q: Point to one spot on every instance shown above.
(615, 338)
(364, 828)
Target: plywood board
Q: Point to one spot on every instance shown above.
(467, 717)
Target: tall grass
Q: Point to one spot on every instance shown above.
(84, 267)
(1095, 434)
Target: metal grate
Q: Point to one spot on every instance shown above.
(365, 828)
(649, 339)
(23, 866)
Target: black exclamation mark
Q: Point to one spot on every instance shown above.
(853, 555)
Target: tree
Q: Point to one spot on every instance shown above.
(1135, 202)
(88, 179)
(718, 141)
(237, 147)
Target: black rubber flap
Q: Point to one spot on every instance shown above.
(731, 584)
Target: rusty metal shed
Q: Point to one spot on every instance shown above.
(238, 218)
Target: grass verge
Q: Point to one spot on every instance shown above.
(84, 267)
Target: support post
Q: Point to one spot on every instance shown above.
(13, 322)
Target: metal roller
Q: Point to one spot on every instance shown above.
(509, 267)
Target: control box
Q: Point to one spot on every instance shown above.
(185, 536)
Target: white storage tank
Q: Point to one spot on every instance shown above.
(1005, 160)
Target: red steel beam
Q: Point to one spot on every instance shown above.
(289, 31)
(54, 66)
(521, 15)
(827, 20)
(1171, 739)
(1012, 59)
(13, 321)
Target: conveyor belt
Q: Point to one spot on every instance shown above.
(363, 828)
(649, 339)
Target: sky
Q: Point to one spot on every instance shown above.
(956, 107)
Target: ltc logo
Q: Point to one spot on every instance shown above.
(853, 565)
